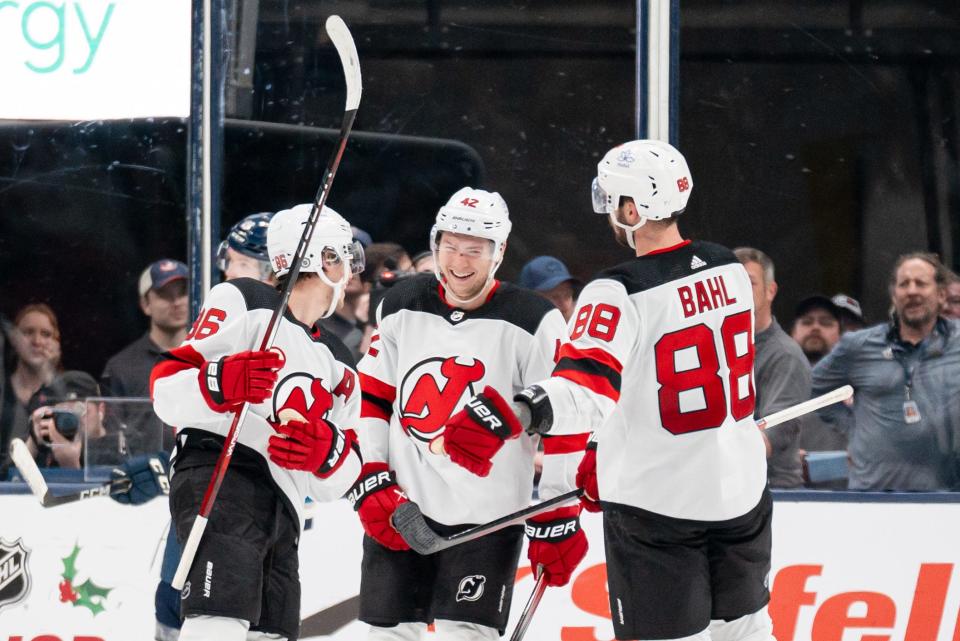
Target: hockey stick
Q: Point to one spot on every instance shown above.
(798, 410)
(410, 523)
(38, 485)
(788, 414)
(527, 615)
(347, 51)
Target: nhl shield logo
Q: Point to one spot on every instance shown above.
(471, 587)
(14, 576)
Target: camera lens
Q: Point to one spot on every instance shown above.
(67, 423)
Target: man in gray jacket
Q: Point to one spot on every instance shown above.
(906, 375)
(781, 373)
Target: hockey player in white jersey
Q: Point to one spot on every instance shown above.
(442, 338)
(660, 362)
(297, 439)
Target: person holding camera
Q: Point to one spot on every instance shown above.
(58, 414)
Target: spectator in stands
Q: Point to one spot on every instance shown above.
(163, 299)
(905, 433)
(951, 306)
(816, 326)
(384, 256)
(851, 316)
(782, 374)
(550, 278)
(59, 417)
(35, 342)
(423, 261)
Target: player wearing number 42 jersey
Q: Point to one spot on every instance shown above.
(660, 362)
(296, 441)
(441, 338)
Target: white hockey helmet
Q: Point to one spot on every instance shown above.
(473, 212)
(651, 172)
(332, 240)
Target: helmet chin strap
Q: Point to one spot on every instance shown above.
(337, 289)
(628, 228)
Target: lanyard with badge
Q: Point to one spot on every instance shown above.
(911, 411)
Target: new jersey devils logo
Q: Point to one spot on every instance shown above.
(471, 587)
(301, 397)
(432, 389)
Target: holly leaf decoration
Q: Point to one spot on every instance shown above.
(91, 596)
(86, 595)
(69, 564)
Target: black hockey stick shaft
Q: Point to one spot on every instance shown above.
(347, 51)
(107, 489)
(530, 609)
(410, 523)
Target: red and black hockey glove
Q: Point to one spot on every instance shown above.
(587, 479)
(476, 433)
(247, 377)
(556, 542)
(375, 496)
(315, 446)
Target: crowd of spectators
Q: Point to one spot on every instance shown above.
(900, 431)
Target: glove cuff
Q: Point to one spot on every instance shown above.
(210, 376)
(541, 412)
(339, 450)
(489, 410)
(554, 526)
(374, 477)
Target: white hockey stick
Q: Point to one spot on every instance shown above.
(528, 611)
(413, 527)
(798, 410)
(31, 474)
(347, 51)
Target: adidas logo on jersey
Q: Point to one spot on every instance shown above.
(696, 262)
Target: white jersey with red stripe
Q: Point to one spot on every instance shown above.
(426, 360)
(317, 380)
(660, 363)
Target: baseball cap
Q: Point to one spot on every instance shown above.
(158, 274)
(817, 301)
(70, 385)
(545, 272)
(849, 304)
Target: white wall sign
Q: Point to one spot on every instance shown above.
(94, 59)
(841, 572)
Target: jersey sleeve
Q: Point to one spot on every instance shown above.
(378, 387)
(345, 415)
(585, 386)
(223, 327)
(561, 453)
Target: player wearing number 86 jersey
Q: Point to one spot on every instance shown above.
(660, 365)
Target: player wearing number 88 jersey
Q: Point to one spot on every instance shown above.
(660, 364)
